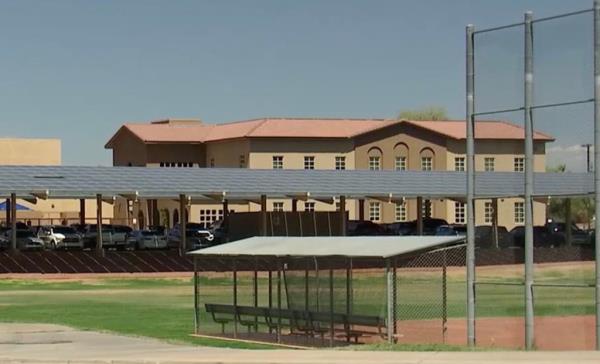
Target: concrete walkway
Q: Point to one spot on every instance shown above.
(37, 343)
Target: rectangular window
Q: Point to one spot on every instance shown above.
(208, 216)
(277, 162)
(277, 206)
(375, 211)
(488, 212)
(427, 209)
(519, 164)
(459, 164)
(374, 163)
(459, 213)
(401, 212)
(519, 212)
(242, 161)
(426, 163)
(401, 163)
(309, 206)
(309, 162)
(340, 163)
(489, 164)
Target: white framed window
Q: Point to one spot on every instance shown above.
(489, 164)
(242, 161)
(488, 212)
(309, 206)
(375, 211)
(277, 206)
(400, 163)
(519, 212)
(374, 163)
(309, 162)
(459, 164)
(459, 213)
(208, 216)
(401, 213)
(426, 163)
(427, 209)
(340, 163)
(519, 164)
(277, 162)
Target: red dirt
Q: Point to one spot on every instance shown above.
(551, 332)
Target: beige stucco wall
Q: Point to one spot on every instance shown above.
(128, 149)
(40, 152)
(294, 150)
(227, 153)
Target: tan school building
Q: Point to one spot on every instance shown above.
(321, 143)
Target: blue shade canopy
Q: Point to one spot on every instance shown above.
(19, 207)
(242, 183)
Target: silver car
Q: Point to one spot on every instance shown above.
(146, 239)
(60, 237)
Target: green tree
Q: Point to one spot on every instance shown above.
(425, 113)
(582, 208)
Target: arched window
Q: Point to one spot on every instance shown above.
(427, 157)
(375, 158)
(401, 157)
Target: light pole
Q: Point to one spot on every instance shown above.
(587, 148)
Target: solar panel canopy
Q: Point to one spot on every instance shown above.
(243, 183)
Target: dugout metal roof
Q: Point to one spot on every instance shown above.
(242, 183)
(327, 246)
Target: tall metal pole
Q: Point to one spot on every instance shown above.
(527, 103)
(597, 159)
(196, 309)
(99, 242)
(182, 225)
(470, 186)
(389, 301)
(13, 222)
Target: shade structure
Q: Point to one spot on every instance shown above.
(19, 207)
(250, 184)
(328, 246)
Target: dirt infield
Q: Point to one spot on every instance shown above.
(551, 332)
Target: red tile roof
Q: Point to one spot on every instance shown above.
(198, 132)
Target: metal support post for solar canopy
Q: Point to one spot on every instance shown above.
(13, 222)
(597, 160)
(182, 225)
(99, 243)
(331, 303)
(263, 215)
(527, 103)
(470, 106)
(342, 213)
(226, 218)
(419, 215)
(568, 222)
(196, 309)
(294, 205)
(389, 301)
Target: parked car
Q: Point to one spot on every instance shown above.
(484, 237)
(146, 239)
(542, 237)
(49, 236)
(450, 230)
(160, 229)
(401, 228)
(219, 231)
(364, 228)
(197, 237)
(431, 224)
(118, 237)
(4, 243)
(26, 240)
(72, 239)
(90, 235)
(578, 236)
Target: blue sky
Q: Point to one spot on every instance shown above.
(77, 70)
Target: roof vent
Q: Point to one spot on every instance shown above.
(179, 122)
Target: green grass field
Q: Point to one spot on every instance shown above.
(163, 308)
